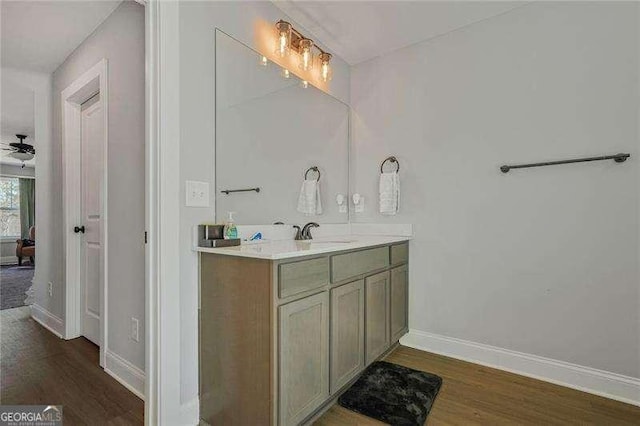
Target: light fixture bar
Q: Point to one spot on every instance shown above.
(290, 39)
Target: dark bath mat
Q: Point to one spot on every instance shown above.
(393, 394)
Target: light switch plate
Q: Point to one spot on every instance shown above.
(197, 194)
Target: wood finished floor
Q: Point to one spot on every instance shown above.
(36, 367)
(475, 395)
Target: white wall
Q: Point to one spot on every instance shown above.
(119, 39)
(197, 65)
(542, 261)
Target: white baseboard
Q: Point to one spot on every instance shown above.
(126, 373)
(8, 260)
(603, 383)
(190, 412)
(48, 320)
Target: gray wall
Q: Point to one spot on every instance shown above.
(541, 261)
(119, 39)
(13, 170)
(8, 251)
(198, 20)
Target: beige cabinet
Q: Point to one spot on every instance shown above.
(304, 357)
(280, 339)
(399, 302)
(376, 315)
(347, 333)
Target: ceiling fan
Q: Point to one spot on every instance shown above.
(20, 150)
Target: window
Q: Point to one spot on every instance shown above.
(9, 207)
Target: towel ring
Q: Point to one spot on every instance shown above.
(393, 160)
(314, 169)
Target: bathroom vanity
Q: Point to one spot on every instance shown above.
(286, 326)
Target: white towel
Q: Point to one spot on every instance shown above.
(309, 200)
(389, 193)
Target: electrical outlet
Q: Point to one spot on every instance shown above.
(197, 194)
(134, 329)
(50, 288)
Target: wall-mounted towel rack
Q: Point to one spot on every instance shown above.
(229, 191)
(312, 169)
(392, 159)
(618, 158)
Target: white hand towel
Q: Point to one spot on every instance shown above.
(389, 189)
(309, 201)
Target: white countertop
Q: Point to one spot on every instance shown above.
(286, 249)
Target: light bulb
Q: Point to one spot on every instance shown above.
(306, 55)
(285, 73)
(264, 61)
(325, 69)
(283, 29)
(304, 84)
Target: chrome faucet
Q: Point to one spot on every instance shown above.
(306, 230)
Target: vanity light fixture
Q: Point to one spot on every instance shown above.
(284, 38)
(285, 73)
(325, 69)
(291, 40)
(264, 61)
(304, 84)
(306, 56)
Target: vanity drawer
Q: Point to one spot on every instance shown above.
(301, 276)
(349, 265)
(399, 253)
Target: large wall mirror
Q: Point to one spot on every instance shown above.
(269, 131)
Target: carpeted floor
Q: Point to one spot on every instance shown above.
(14, 282)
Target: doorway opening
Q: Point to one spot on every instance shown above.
(85, 114)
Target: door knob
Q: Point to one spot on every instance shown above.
(79, 229)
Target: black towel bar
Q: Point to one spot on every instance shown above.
(229, 191)
(618, 158)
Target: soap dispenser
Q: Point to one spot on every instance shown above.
(230, 230)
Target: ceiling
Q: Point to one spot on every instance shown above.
(358, 31)
(39, 35)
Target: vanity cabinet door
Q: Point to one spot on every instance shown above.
(347, 333)
(399, 300)
(376, 316)
(304, 357)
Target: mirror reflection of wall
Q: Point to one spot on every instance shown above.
(269, 131)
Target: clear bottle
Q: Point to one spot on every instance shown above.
(230, 230)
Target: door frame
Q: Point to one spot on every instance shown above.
(163, 200)
(84, 87)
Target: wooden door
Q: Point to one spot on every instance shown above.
(376, 316)
(92, 261)
(304, 357)
(347, 333)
